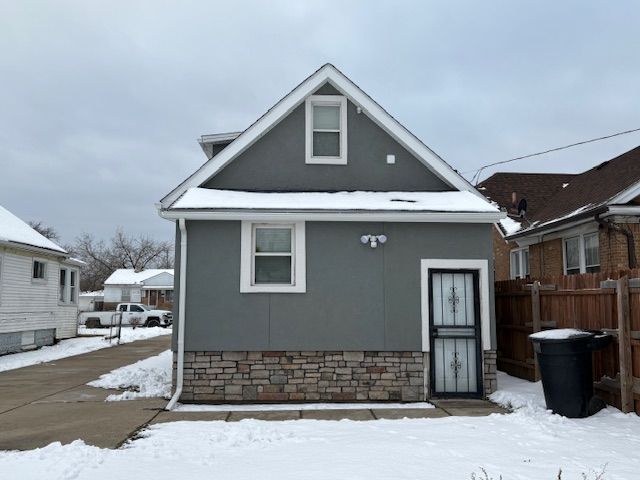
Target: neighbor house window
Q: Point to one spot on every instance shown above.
(582, 254)
(326, 129)
(273, 258)
(63, 285)
(73, 285)
(125, 295)
(38, 269)
(520, 263)
(68, 285)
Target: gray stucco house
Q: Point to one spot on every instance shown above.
(327, 254)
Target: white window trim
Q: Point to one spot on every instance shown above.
(334, 100)
(482, 265)
(520, 259)
(68, 300)
(582, 256)
(122, 289)
(45, 272)
(299, 268)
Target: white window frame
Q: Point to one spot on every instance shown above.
(582, 253)
(298, 259)
(328, 100)
(42, 279)
(129, 290)
(69, 298)
(518, 252)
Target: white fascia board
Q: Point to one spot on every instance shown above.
(626, 195)
(328, 73)
(444, 217)
(32, 248)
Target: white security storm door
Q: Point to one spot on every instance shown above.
(454, 325)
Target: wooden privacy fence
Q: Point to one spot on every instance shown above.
(608, 302)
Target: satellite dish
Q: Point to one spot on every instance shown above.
(522, 207)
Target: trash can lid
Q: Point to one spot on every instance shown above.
(560, 335)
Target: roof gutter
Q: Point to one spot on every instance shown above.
(33, 248)
(181, 314)
(333, 215)
(558, 224)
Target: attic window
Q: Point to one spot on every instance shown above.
(326, 130)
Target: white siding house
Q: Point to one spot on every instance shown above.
(153, 287)
(39, 286)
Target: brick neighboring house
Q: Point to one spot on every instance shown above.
(508, 189)
(589, 225)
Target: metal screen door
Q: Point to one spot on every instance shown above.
(454, 325)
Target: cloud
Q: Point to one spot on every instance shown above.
(101, 103)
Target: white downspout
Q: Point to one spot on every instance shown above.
(181, 314)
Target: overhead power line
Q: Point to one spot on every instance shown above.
(476, 176)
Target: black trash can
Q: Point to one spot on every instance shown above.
(564, 357)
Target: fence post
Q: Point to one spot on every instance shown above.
(624, 345)
(537, 322)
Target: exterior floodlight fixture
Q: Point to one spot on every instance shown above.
(373, 240)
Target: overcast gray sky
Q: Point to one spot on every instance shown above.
(101, 102)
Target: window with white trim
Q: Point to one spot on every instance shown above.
(125, 295)
(273, 257)
(68, 285)
(39, 270)
(326, 129)
(582, 254)
(520, 263)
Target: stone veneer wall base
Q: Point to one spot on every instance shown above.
(297, 376)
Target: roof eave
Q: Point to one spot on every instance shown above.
(34, 248)
(558, 224)
(332, 215)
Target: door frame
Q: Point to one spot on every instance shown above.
(479, 264)
(476, 336)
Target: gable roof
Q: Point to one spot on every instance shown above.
(14, 230)
(327, 73)
(128, 276)
(614, 182)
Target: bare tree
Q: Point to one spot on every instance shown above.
(122, 251)
(44, 230)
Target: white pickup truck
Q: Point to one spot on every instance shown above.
(133, 314)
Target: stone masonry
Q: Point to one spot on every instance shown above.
(244, 377)
(490, 372)
(302, 376)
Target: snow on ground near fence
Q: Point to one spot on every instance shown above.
(530, 444)
(150, 377)
(77, 346)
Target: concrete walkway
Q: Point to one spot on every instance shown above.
(51, 402)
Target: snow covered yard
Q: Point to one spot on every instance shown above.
(528, 444)
(77, 346)
(150, 377)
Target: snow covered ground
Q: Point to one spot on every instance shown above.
(528, 444)
(77, 346)
(150, 377)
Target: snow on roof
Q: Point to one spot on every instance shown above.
(97, 293)
(509, 225)
(128, 276)
(205, 198)
(14, 230)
